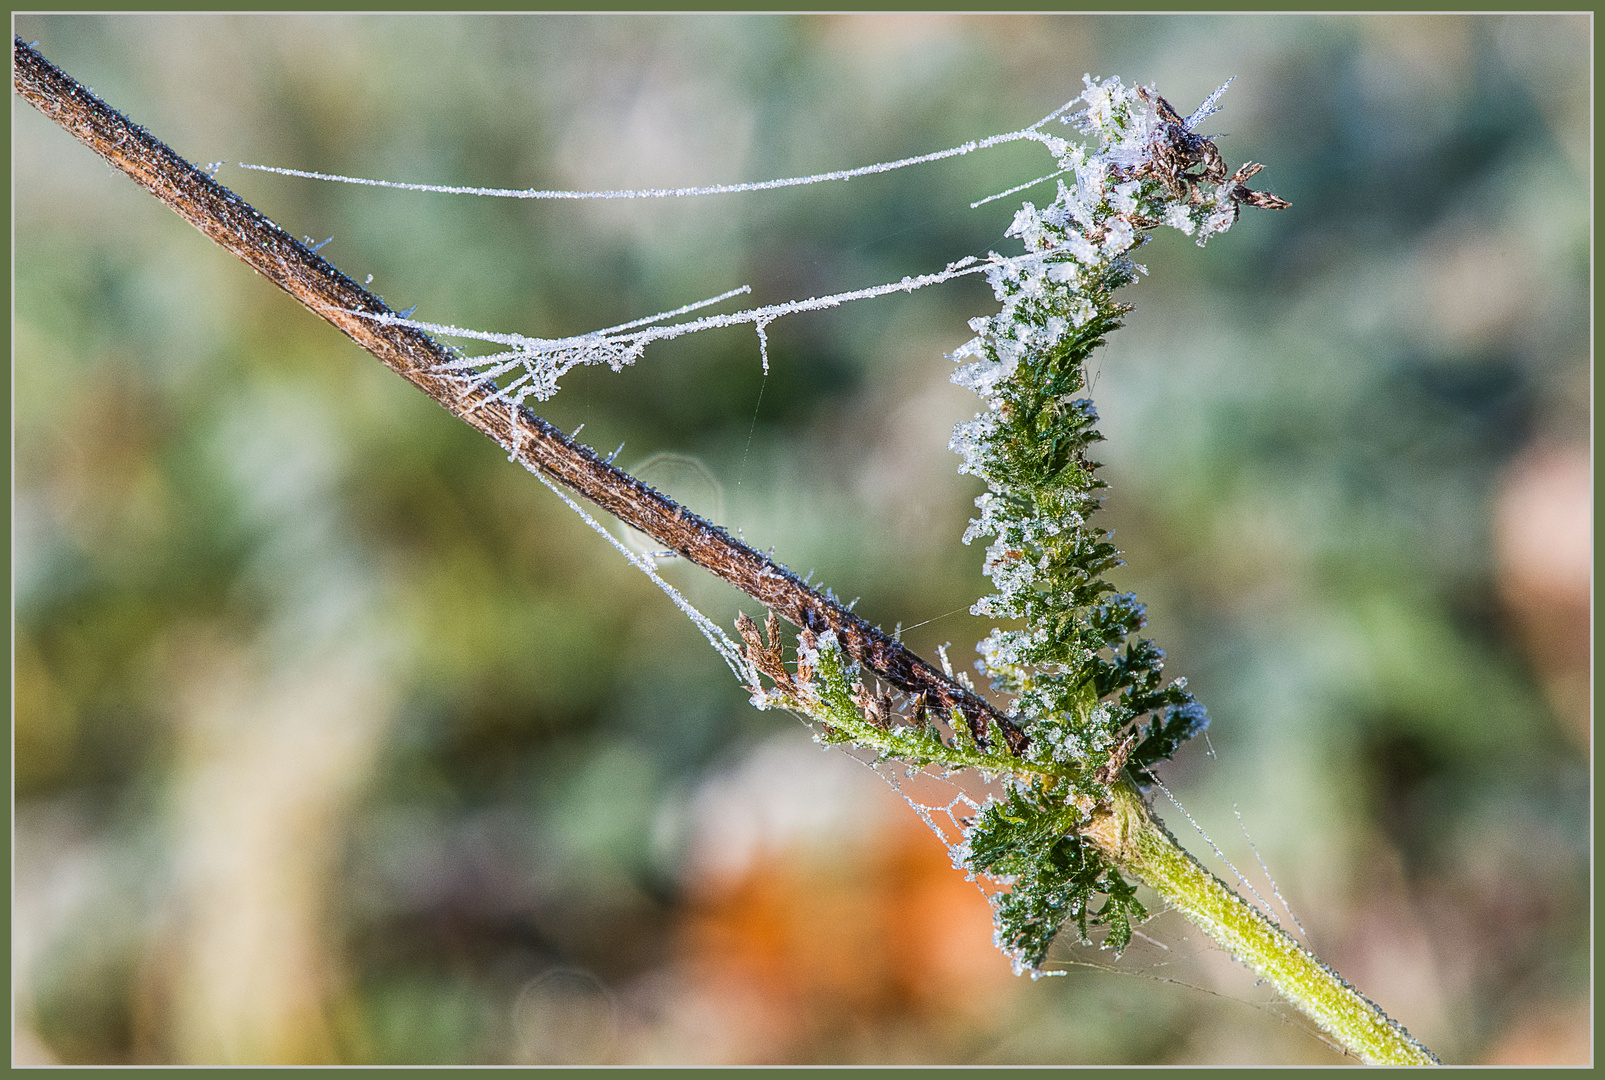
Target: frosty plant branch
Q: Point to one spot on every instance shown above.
(1072, 826)
(1089, 712)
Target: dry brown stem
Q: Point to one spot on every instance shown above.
(234, 225)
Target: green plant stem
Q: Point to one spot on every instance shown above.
(1124, 829)
(1128, 833)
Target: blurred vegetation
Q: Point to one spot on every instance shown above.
(338, 738)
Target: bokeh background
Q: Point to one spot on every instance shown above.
(337, 738)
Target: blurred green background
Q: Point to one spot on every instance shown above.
(337, 738)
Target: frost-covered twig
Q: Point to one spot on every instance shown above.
(241, 229)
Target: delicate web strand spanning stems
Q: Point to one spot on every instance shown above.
(1016, 189)
(728, 650)
(1033, 132)
(1276, 892)
(1199, 829)
(739, 290)
(244, 231)
(760, 315)
(600, 346)
(1130, 836)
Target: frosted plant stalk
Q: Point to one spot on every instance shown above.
(1071, 826)
(1080, 683)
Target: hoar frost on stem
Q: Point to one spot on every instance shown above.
(1088, 692)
